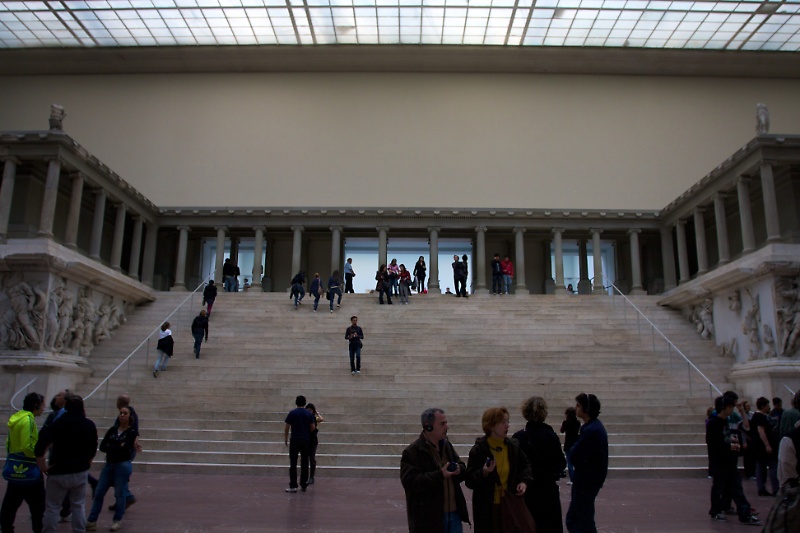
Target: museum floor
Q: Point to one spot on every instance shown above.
(171, 503)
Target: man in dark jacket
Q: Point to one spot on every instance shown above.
(590, 457)
(209, 295)
(431, 472)
(74, 444)
(199, 330)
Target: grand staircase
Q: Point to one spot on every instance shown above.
(224, 412)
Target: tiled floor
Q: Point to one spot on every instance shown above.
(171, 503)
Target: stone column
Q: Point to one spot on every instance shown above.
(149, 259)
(584, 285)
(770, 203)
(97, 225)
(297, 249)
(480, 260)
(723, 246)
(433, 267)
(258, 252)
(549, 286)
(220, 260)
(269, 267)
(7, 194)
(745, 215)
(683, 254)
(700, 240)
(558, 247)
(382, 246)
(336, 249)
(519, 247)
(235, 250)
(74, 215)
(119, 236)
(597, 263)
(180, 269)
(636, 264)
(48, 215)
(136, 247)
(668, 259)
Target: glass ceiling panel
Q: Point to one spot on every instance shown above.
(718, 25)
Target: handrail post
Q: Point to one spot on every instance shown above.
(105, 401)
(653, 334)
(638, 327)
(669, 352)
(147, 353)
(128, 380)
(689, 371)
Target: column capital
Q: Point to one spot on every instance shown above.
(10, 159)
(136, 216)
(519, 230)
(480, 229)
(119, 203)
(336, 228)
(719, 195)
(434, 228)
(221, 228)
(262, 228)
(184, 228)
(595, 230)
(680, 222)
(557, 230)
(631, 231)
(382, 228)
(698, 210)
(297, 228)
(743, 180)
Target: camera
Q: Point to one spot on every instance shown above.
(452, 466)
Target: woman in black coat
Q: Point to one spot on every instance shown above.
(497, 469)
(383, 285)
(543, 449)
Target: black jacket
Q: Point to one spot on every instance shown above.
(200, 325)
(118, 448)
(210, 293)
(483, 487)
(423, 482)
(166, 345)
(74, 440)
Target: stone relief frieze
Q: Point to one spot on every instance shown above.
(788, 315)
(702, 316)
(751, 325)
(728, 349)
(58, 319)
(735, 302)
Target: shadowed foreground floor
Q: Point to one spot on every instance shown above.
(172, 503)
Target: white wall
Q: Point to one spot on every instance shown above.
(421, 140)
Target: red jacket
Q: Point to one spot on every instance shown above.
(507, 268)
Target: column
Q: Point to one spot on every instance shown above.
(745, 215)
(220, 260)
(559, 255)
(119, 236)
(234, 252)
(336, 249)
(597, 263)
(549, 286)
(74, 215)
(433, 266)
(770, 203)
(683, 254)
(636, 266)
(136, 247)
(723, 247)
(7, 194)
(258, 252)
(48, 214)
(519, 270)
(149, 259)
(269, 267)
(668, 259)
(700, 240)
(97, 225)
(180, 269)
(584, 285)
(297, 249)
(382, 245)
(480, 260)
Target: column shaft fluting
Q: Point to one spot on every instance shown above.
(519, 271)
(745, 215)
(668, 259)
(297, 248)
(723, 246)
(180, 269)
(6, 195)
(74, 214)
(119, 236)
(97, 224)
(136, 247)
(336, 247)
(700, 241)
(382, 246)
(48, 214)
(683, 254)
(636, 263)
(770, 203)
(433, 271)
(149, 259)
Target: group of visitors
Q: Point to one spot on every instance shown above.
(230, 275)
(317, 289)
(303, 422)
(513, 479)
(502, 274)
(55, 487)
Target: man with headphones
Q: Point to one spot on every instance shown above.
(431, 472)
(589, 456)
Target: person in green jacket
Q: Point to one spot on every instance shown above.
(22, 438)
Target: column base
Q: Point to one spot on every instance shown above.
(584, 286)
(521, 289)
(599, 291)
(178, 288)
(549, 286)
(482, 291)
(561, 291)
(637, 291)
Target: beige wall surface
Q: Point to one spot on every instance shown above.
(405, 140)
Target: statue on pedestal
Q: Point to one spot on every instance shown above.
(57, 115)
(762, 119)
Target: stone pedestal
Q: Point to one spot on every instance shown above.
(768, 378)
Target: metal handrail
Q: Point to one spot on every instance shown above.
(130, 355)
(670, 344)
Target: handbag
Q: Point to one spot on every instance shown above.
(21, 469)
(514, 514)
(414, 284)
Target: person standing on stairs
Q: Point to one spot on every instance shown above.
(209, 295)
(301, 423)
(354, 334)
(164, 348)
(335, 288)
(349, 274)
(199, 329)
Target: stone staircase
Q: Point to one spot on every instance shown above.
(225, 411)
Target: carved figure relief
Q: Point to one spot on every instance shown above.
(728, 349)
(89, 315)
(24, 323)
(707, 318)
(101, 328)
(735, 302)
(769, 341)
(65, 310)
(57, 116)
(788, 316)
(751, 325)
(762, 119)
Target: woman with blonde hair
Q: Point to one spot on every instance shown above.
(542, 447)
(497, 469)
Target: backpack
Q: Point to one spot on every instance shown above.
(784, 517)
